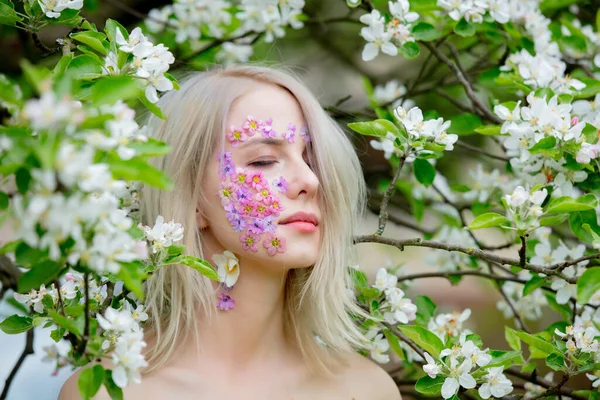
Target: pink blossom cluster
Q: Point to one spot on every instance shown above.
(251, 126)
(251, 206)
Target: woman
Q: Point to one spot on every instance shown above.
(269, 188)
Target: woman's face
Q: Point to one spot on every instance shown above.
(261, 191)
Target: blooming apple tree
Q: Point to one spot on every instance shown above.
(521, 77)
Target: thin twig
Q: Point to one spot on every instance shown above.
(383, 214)
(477, 149)
(478, 253)
(60, 299)
(523, 251)
(465, 82)
(26, 351)
(448, 274)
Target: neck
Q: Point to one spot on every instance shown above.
(253, 331)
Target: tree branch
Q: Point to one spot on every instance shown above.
(383, 214)
(463, 81)
(478, 253)
(26, 351)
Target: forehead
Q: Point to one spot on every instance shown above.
(267, 101)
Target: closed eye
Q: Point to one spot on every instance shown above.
(262, 163)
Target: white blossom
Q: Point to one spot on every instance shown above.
(228, 267)
(496, 384)
(163, 234)
(53, 8)
(400, 309)
(379, 348)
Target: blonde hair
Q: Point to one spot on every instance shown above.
(316, 301)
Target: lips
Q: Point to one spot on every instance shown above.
(300, 217)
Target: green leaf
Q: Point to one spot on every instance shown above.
(8, 16)
(84, 67)
(534, 283)
(71, 325)
(464, 124)
(512, 339)
(95, 40)
(588, 284)
(394, 343)
(115, 392)
(35, 75)
(426, 309)
(504, 358)
(409, 50)
(201, 266)
(172, 79)
(464, 28)
(370, 128)
(423, 338)
(553, 220)
(568, 204)
(488, 220)
(389, 126)
(424, 171)
(556, 362)
(153, 108)
(489, 130)
(538, 343)
(140, 170)
(132, 275)
(430, 386)
(40, 273)
(16, 324)
(578, 219)
(111, 27)
(90, 380)
(425, 32)
(547, 143)
(109, 89)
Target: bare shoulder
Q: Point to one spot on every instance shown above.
(70, 391)
(369, 381)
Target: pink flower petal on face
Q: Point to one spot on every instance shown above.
(281, 184)
(225, 302)
(290, 134)
(304, 133)
(236, 135)
(274, 244)
(251, 125)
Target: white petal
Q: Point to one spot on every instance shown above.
(370, 52)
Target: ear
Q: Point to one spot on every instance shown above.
(201, 220)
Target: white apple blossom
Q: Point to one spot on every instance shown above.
(580, 339)
(385, 281)
(163, 234)
(379, 348)
(401, 309)
(444, 325)
(496, 384)
(48, 112)
(390, 92)
(232, 53)
(431, 368)
(53, 8)
(524, 207)
(128, 359)
(57, 353)
(594, 378)
(34, 297)
(378, 40)
(386, 145)
(459, 375)
(228, 267)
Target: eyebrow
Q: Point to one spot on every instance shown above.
(267, 141)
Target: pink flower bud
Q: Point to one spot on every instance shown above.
(141, 249)
(574, 121)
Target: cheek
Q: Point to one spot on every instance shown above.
(252, 206)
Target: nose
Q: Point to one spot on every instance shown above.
(302, 181)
